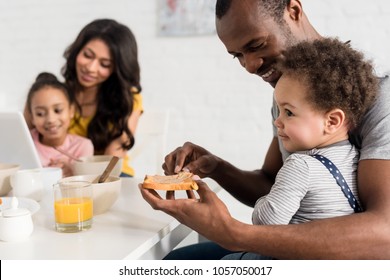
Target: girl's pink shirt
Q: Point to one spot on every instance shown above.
(75, 145)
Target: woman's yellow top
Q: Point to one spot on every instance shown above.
(81, 128)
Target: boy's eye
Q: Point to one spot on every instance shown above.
(288, 113)
(58, 110)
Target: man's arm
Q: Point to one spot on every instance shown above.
(358, 236)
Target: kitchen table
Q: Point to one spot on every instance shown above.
(131, 229)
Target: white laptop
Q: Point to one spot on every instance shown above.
(16, 144)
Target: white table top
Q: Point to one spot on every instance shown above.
(131, 229)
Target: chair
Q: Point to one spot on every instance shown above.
(148, 152)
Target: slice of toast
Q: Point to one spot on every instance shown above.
(177, 182)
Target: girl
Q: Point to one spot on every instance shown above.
(50, 109)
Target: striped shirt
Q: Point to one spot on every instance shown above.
(305, 190)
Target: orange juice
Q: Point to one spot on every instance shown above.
(73, 206)
(73, 210)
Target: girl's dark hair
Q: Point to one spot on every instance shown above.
(115, 97)
(43, 80)
(273, 8)
(337, 76)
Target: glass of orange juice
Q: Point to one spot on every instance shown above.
(73, 206)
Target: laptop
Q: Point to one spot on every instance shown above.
(16, 144)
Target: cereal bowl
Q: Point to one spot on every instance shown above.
(6, 170)
(95, 165)
(104, 194)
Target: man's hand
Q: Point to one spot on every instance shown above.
(194, 158)
(207, 215)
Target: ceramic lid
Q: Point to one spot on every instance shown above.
(14, 211)
(11, 212)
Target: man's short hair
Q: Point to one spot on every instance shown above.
(273, 8)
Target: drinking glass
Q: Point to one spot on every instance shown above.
(73, 206)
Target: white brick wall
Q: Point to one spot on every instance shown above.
(213, 101)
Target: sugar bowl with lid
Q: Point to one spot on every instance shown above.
(15, 223)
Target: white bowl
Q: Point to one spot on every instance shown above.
(6, 170)
(95, 165)
(104, 194)
(50, 176)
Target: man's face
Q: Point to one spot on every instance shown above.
(255, 40)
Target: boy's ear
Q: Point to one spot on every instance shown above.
(335, 119)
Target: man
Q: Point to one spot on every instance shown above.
(255, 32)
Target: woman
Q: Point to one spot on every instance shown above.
(103, 75)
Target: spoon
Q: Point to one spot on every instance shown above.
(67, 154)
(102, 178)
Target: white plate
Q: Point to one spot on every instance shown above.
(28, 203)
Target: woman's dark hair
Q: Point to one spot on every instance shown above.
(337, 76)
(43, 80)
(115, 97)
(273, 8)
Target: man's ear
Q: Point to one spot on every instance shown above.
(334, 120)
(295, 10)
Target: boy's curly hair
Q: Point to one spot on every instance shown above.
(337, 76)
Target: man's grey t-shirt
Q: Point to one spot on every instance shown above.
(372, 137)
